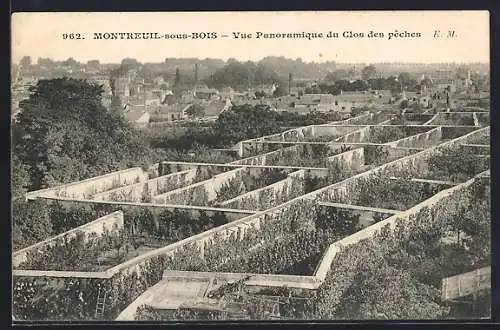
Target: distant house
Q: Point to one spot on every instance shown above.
(417, 98)
(313, 99)
(172, 112)
(158, 81)
(383, 96)
(155, 96)
(443, 79)
(286, 102)
(104, 81)
(213, 108)
(296, 91)
(137, 114)
(203, 92)
(345, 101)
(226, 93)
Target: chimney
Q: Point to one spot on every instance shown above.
(289, 83)
(196, 73)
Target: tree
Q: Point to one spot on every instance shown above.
(93, 64)
(25, 61)
(54, 128)
(195, 110)
(20, 179)
(130, 62)
(404, 78)
(45, 62)
(368, 72)
(242, 76)
(71, 62)
(243, 122)
(30, 223)
(462, 72)
(281, 88)
(340, 222)
(336, 75)
(427, 82)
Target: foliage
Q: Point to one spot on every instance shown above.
(456, 164)
(76, 298)
(271, 195)
(31, 223)
(397, 274)
(240, 123)
(368, 72)
(20, 179)
(148, 313)
(51, 135)
(248, 182)
(77, 253)
(398, 194)
(65, 218)
(339, 221)
(242, 76)
(243, 122)
(282, 255)
(385, 134)
(195, 110)
(375, 155)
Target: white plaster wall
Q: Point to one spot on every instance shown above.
(89, 187)
(97, 226)
(135, 192)
(352, 159)
(211, 186)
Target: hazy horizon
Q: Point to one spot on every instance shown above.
(162, 60)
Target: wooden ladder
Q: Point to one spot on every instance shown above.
(101, 301)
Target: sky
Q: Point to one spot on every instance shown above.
(41, 35)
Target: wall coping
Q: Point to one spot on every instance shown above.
(71, 231)
(66, 185)
(289, 177)
(139, 184)
(325, 264)
(409, 138)
(244, 165)
(201, 183)
(165, 206)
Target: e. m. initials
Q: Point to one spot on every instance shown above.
(449, 34)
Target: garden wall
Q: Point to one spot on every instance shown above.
(431, 120)
(324, 130)
(97, 227)
(441, 201)
(297, 131)
(416, 163)
(155, 209)
(477, 149)
(269, 157)
(92, 186)
(453, 118)
(452, 132)
(421, 140)
(359, 120)
(352, 160)
(270, 196)
(145, 191)
(359, 135)
(130, 279)
(483, 118)
(202, 192)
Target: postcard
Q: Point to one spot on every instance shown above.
(211, 166)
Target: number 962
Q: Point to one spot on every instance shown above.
(72, 36)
